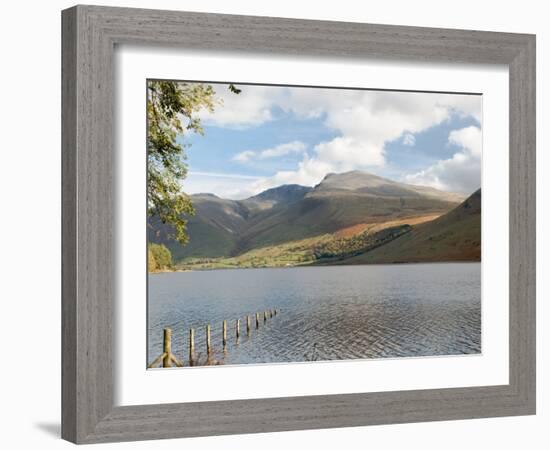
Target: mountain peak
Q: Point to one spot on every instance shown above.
(352, 180)
(361, 182)
(204, 194)
(287, 193)
(355, 172)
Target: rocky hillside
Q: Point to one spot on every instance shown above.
(228, 228)
(455, 236)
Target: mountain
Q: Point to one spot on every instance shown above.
(455, 236)
(343, 200)
(369, 184)
(213, 230)
(285, 194)
(224, 228)
(216, 228)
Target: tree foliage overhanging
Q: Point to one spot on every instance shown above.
(172, 109)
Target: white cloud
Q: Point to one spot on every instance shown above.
(461, 172)
(467, 138)
(365, 121)
(409, 140)
(348, 153)
(465, 105)
(221, 184)
(222, 175)
(244, 156)
(274, 152)
(309, 172)
(251, 107)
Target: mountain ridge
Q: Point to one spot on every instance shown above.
(223, 227)
(366, 182)
(455, 236)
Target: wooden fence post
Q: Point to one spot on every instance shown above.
(167, 358)
(191, 345)
(208, 347)
(167, 348)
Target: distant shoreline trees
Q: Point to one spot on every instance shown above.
(158, 258)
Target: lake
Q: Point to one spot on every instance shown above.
(325, 313)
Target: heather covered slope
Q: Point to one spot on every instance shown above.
(455, 236)
(229, 228)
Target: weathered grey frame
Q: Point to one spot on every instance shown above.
(89, 36)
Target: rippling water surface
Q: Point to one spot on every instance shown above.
(326, 313)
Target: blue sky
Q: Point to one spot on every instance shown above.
(267, 136)
(214, 152)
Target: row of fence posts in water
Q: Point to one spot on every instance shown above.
(167, 358)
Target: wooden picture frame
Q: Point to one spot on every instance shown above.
(89, 35)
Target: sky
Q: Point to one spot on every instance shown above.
(267, 136)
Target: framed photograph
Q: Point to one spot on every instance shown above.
(280, 224)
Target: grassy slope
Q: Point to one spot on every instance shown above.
(320, 214)
(227, 228)
(288, 254)
(455, 236)
(298, 252)
(220, 229)
(206, 239)
(213, 230)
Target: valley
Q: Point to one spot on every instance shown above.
(349, 218)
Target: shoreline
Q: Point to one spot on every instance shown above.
(319, 266)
